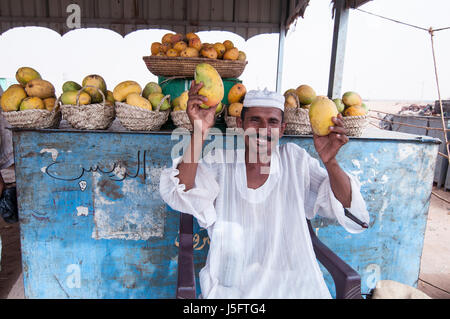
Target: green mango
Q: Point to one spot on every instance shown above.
(70, 86)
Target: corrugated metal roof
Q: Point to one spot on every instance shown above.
(244, 17)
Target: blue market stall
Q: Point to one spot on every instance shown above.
(93, 224)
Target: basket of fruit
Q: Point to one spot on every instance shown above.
(83, 110)
(178, 55)
(136, 112)
(296, 110)
(354, 113)
(235, 98)
(32, 103)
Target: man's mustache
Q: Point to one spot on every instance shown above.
(259, 136)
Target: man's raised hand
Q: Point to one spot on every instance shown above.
(328, 146)
(201, 119)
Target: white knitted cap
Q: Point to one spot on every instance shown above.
(266, 98)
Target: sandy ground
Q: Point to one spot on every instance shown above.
(434, 278)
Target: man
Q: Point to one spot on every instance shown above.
(8, 201)
(255, 210)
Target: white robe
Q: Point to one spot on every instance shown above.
(260, 245)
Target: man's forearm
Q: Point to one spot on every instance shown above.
(189, 164)
(340, 183)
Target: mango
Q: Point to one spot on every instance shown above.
(180, 46)
(151, 87)
(189, 53)
(209, 52)
(191, 35)
(165, 47)
(235, 109)
(320, 113)
(155, 99)
(40, 88)
(212, 84)
(237, 93)
(124, 88)
(351, 99)
(242, 56)
(306, 94)
(177, 108)
(195, 43)
(49, 103)
(97, 81)
(355, 110)
(231, 54)
(109, 98)
(12, 97)
(176, 38)
(339, 105)
(289, 91)
(228, 44)
(155, 48)
(167, 38)
(70, 98)
(26, 74)
(219, 108)
(176, 102)
(172, 53)
(32, 103)
(184, 97)
(290, 101)
(220, 49)
(71, 86)
(136, 100)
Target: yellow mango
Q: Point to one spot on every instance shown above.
(26, 74)
(351, 99)
(49, 103)
(70, 98)
(32, 103)
(184, 97)
(237, 93)
(12, 97)
(97, 81)
(235, 109)
(40, 88)
(212, 84)
(355, 111)
(136, 100)
(306, 94)
(124, 88)
(320, 113)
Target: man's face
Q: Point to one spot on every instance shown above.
(263, 126)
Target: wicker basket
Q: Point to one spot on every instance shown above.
(178, 66)
(35, 118)
(138, 119)
(230, 121)
(97, 116)
(181, 118)
(355, 124)
(297, 119)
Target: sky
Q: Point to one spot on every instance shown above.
(383, 60)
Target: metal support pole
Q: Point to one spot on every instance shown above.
(281, 39)
(338, 50)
